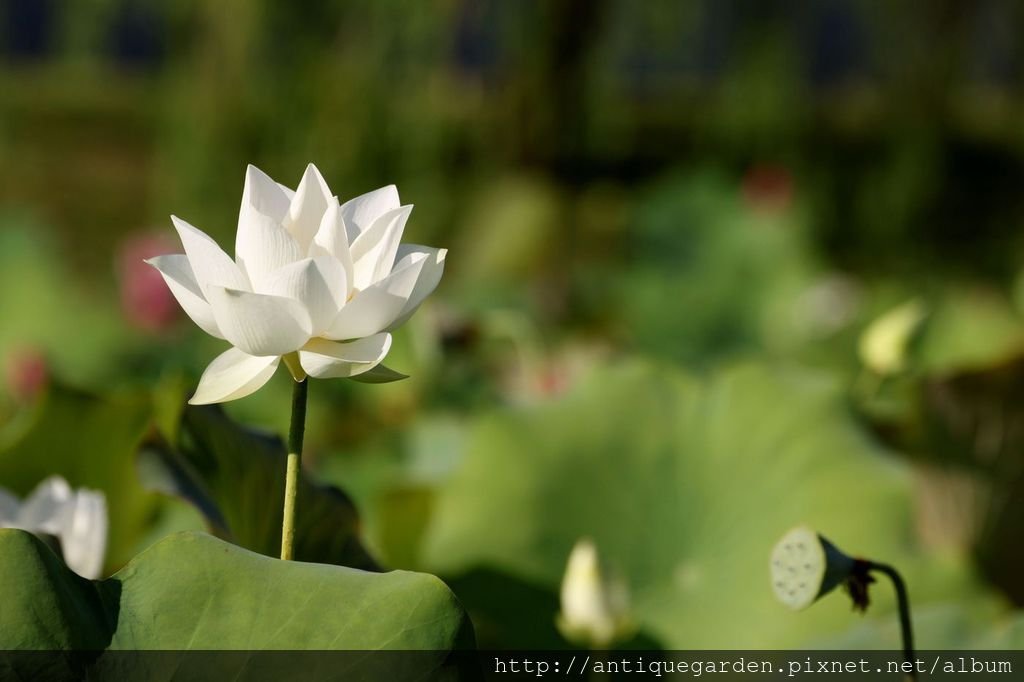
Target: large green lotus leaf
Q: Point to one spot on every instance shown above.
(684, 486)
(91, 441)
(982, 624)
(192, 591)
(970, 330)
(235, 477)
(393, 482)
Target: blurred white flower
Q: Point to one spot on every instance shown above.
(595, 606)
(317, 283)
(78, 519)
(883, 345)
(827, 305)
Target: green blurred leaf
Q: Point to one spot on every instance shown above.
(194, 592)
(394, 483)
(684, 487)
(43, 308)
(235, 476)
(983, 625)
(969, 330)
(706, 277)
(511, 230)
(380, 375)
(965, 425)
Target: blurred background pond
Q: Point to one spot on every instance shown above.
(670, 225)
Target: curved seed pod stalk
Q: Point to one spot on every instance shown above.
(805, 566)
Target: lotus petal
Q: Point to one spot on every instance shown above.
(324, 359)
(233, 374)
(373, 252)
(310, 201)
(210, 265)
(332, 240)
(318, 283)
(360, 212)
(375, 308)
(430, 276)
(177, 272)
(260, 324)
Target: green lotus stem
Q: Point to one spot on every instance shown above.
(291, 480)
(903, 602)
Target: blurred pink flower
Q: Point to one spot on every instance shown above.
(550, 374)
(768, 187)
(553, 380)
(146, 301)
(27, 373)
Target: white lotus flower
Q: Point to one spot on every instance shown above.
(317, 283)
(595, 606)
(78, 519)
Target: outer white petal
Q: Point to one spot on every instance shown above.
(263, 194)
(318, 283)
(376, 307)
(311, 199)
(324, 359)
(259, 324)
(9, 506)
(332, 240)
(360, 212)
(233, 374)
(45, 506)
(263, 245)
(428, 280)
(210, 265)
(373, 251)
(177, 272)
(288, 192)
(83, 539)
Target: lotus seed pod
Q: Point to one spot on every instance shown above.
(806, 566)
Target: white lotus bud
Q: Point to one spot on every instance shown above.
(883, 345)
(78, 519)
(595, 606)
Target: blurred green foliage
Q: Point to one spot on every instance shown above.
(688, 187)
(684, 486)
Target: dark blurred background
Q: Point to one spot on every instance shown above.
(896, 125)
